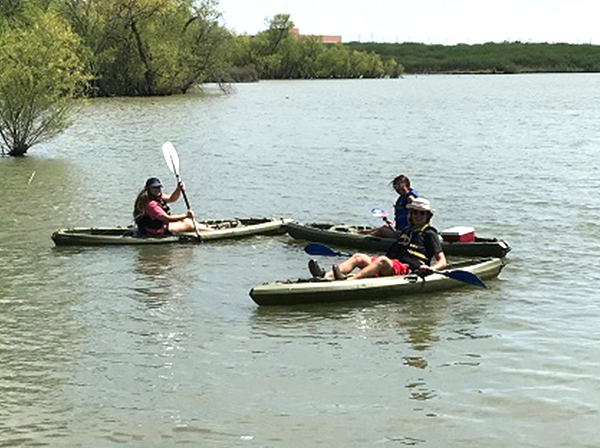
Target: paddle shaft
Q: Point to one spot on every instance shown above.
(343, 254)
(185, 198)
(387, 221)
(187, 204)
(174, 168)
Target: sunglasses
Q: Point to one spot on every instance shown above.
(418, 212)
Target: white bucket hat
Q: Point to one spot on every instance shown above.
(420, 204)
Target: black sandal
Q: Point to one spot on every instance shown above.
(337, 274)
(315, 269)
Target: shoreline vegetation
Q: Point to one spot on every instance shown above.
(111, 48)
(489, 58)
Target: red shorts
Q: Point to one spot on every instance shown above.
(399, 268)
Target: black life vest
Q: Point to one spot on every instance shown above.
(144, 221)
(412, 247)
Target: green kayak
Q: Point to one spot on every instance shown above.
(221, 229)
(351, 236)
(311, 291)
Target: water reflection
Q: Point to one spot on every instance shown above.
(416, 318)
(159, 275)
(421, 321)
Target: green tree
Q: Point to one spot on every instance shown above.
(42, 72)
(9, 9)
(149, 47)
(276, 53)
(392, 68)
(243, 59)
(312, 48)
(333, 63)
(278, 29)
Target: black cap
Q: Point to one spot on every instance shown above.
(153, 182)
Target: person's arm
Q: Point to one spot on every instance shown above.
(176, 193)
(433, 241)
(375, 230)
(440, 263)
(155, 211)
(174, 218)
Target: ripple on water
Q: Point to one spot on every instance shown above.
(147, 346)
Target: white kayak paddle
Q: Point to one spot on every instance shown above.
(172, 159)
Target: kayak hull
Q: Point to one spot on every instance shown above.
(315, 291)
(350, 236)
(118, 236)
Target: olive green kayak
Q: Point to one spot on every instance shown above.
(351, 236)
(312, 291)
(220, 229)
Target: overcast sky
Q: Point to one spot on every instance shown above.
(445, 22)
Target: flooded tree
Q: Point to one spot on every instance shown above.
(42, 72)
(149, 47)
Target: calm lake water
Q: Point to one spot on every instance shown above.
(162, 346)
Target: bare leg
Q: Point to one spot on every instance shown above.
(187, 225)
(382, 266)
(355, 261)
(202, 227)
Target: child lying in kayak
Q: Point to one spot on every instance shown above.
(417, 246)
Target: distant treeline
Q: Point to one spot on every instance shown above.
(505, 57)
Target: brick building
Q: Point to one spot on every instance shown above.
(323, 39)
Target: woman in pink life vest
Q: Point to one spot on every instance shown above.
(152, 214)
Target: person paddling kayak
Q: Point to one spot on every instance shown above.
(401, 185)
(152, 214)
(417, 246)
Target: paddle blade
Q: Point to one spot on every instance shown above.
(171, 158)
(378, 213)
(466, 277)
(320, 249)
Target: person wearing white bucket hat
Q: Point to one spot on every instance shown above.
(417, 247)
(420, 204)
